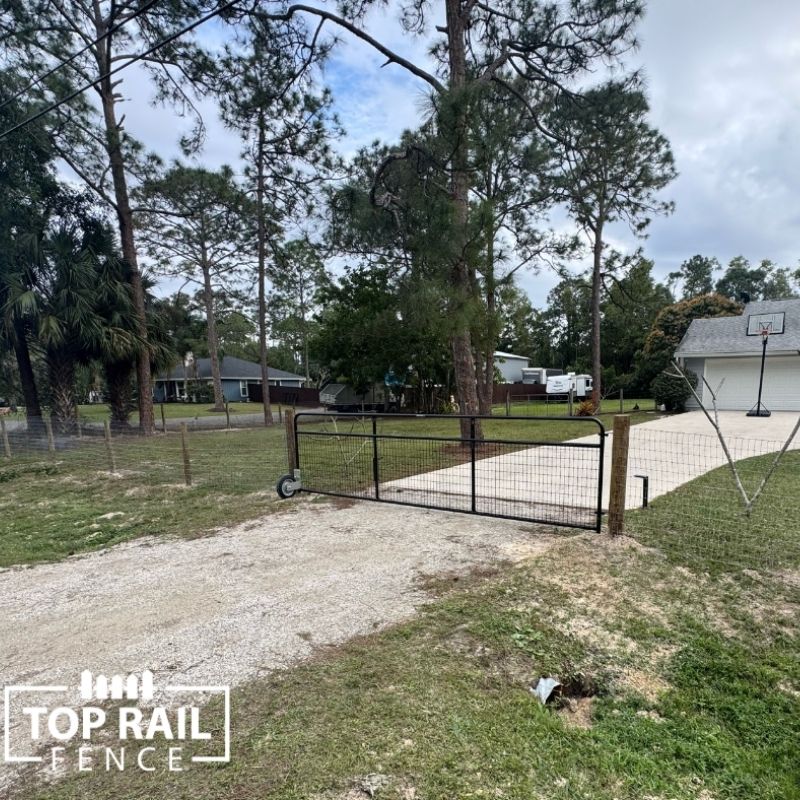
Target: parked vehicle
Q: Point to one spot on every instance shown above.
(539, 375)
(577, 385)
(342, 397)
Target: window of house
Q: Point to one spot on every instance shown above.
(243, 392)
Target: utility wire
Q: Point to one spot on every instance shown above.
(67, 61)
(138, 57)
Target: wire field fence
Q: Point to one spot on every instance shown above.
(560, 405)
(680, 494)
(251, 458)
(520, 468)
(682, 497)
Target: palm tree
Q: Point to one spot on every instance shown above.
(28, 182)
(80, 305)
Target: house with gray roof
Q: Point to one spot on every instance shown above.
(238, 379)
(726, 351)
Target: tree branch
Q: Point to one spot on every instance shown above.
(391, 56)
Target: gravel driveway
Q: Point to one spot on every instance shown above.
(231, 606)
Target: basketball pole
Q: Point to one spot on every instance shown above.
(760, 411)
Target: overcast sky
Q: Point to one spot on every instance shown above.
(723, 78)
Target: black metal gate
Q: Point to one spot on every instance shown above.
(534, 469)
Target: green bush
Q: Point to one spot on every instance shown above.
(200, 392)
(671, 391)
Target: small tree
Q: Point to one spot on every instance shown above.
(297, 278)
(614, 164)
(673, 390)
(695, 276)
(194, 227)
(630, 306)
(267, 96)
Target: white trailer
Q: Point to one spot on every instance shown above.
(570, 384)
(539, 375)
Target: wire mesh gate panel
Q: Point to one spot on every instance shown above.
(534, 469)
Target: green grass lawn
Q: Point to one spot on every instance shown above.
(704, 520)
(694, 684)
(98, 412)
(51, 507)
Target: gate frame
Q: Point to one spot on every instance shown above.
(294, 480)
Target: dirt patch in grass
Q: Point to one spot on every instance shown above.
(647, 684)
(443, 583)
(577, 713)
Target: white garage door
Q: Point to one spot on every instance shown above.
(740, 390)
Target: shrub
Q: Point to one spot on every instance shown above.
(671, 391)
(585, 409)
(200, 392)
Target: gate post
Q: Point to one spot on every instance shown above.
(291, 448)
(375, 477)
(474, 503)
(619, 474)
(6, 443)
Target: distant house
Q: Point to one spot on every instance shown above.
(726, 351)
(510, 366)
(239, 379)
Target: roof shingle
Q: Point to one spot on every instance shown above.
(230, 369)
(728, 335)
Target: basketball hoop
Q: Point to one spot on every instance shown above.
(760, 410)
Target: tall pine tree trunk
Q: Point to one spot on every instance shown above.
(262, 271)
(125, 221)
(304, 331)
(485, 364)
(30, 395)
(461, 340)
(212, 338)
(597, 289)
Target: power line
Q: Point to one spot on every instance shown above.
(66, 61)
(133, 60)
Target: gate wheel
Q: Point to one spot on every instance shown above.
(286, 487)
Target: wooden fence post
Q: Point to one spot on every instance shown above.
(619, 474)
(187, 463)
(6, 443)
(288, 419)
(508, 402)
(78, 428)
(163, 419)
(112, 461)
(621, 401)
(227, 415)
(51, 442)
